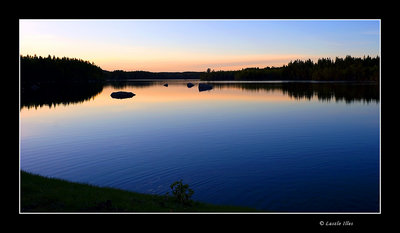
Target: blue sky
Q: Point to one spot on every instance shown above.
(195, 45)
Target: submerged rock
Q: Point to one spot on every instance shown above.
(189, 85)
(122, 95)
(205, 87)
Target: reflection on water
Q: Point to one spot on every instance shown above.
(52, 95)
(347, 92)
(298, 147)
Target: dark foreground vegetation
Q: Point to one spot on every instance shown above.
(325, 69)
(41, 194)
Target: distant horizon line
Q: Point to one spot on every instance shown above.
(215, 70)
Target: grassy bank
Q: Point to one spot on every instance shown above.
(41, 194)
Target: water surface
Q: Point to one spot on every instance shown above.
(283, 147)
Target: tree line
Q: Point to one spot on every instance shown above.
(121, 75)
(37, 69)
(51, 69)
(325, 69)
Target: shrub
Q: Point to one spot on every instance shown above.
(181, 192)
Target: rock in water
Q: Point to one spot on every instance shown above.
(122, 95)
(189, 85)
(205, 87)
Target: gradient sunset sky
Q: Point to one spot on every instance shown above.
(195, 45)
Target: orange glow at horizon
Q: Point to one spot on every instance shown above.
(138, 59)
(198, 62)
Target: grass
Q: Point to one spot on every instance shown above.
(42, 194)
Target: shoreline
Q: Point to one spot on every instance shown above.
(39, 194)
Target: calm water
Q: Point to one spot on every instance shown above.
(296, 147)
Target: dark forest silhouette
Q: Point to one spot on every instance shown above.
(55, 70)
(36, 70)
(51, 69)
(123, 75)
(325, 69)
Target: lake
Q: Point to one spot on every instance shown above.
(273, 146)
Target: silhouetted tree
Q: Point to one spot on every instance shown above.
(55, 70)
(347, 69)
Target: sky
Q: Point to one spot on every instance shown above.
(195, 45)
